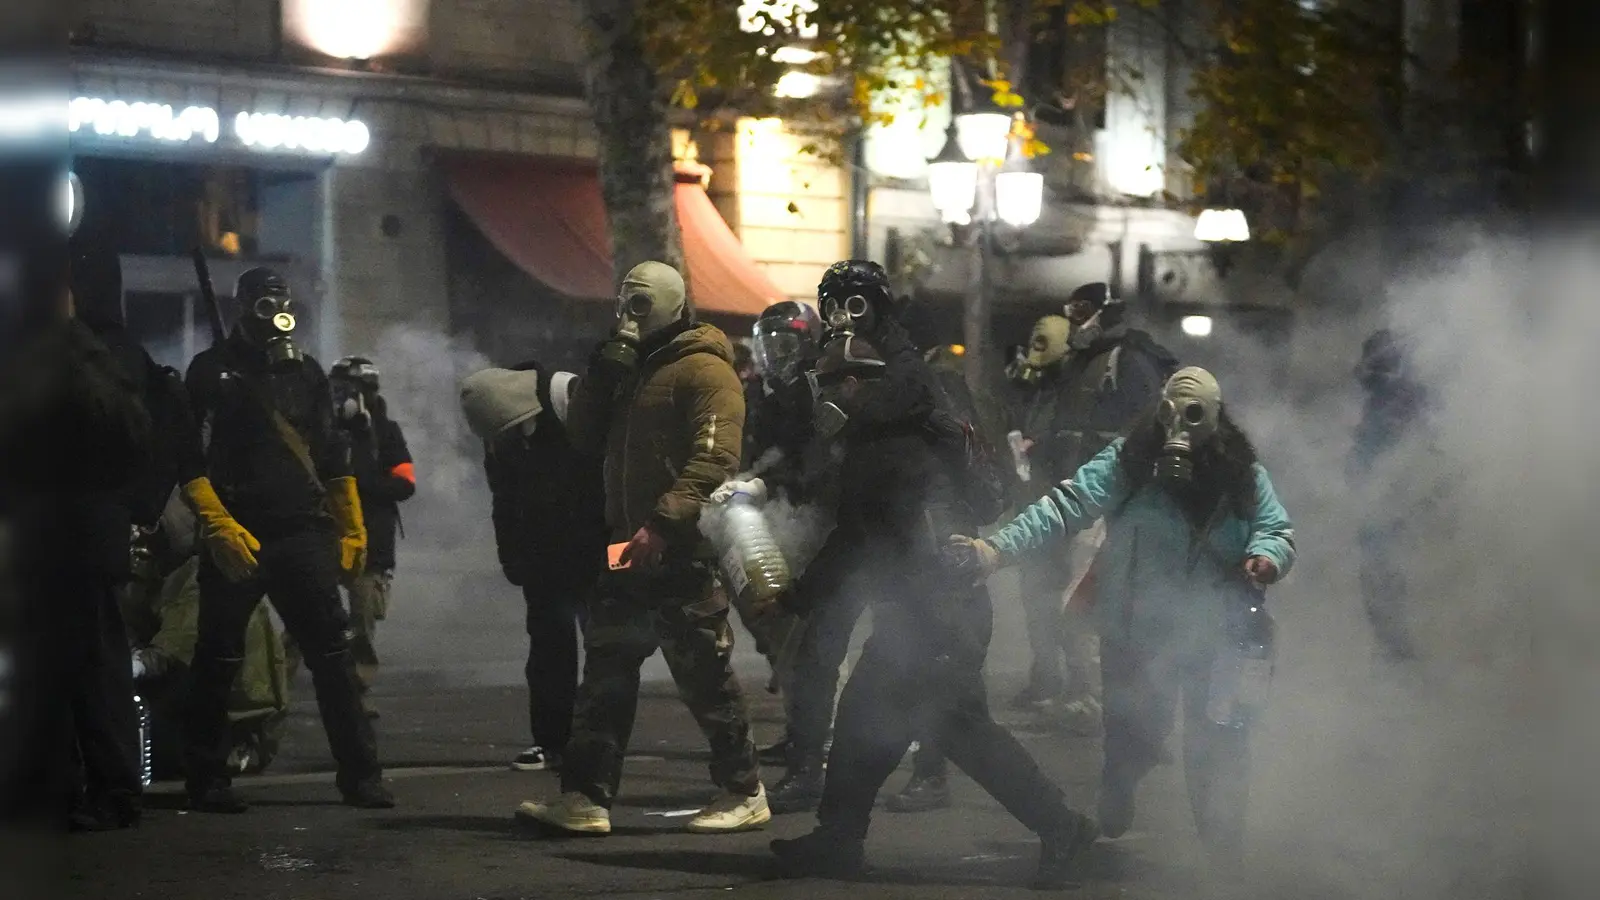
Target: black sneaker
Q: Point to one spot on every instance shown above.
(369, 794)
(536, 759)
(798, 791)
(820, 854)
(107, 814)
(216, 798)
(775, 755)
(921, 795)
(1116, 804)
(1061, 854)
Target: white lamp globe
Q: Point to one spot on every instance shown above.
(1019, 197)
(983, 135)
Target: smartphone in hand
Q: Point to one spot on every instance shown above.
(614, 556)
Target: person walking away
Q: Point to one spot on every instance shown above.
(1085, 378)
(548, 508)
(280, 517)
(661, 400)
(1193, 528)
(921, 672)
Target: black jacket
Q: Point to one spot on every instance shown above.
(382, 466)
(548, 501)
(1086, 401)
(264, 484)
(780, 421)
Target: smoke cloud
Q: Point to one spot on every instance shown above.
(1435, 779)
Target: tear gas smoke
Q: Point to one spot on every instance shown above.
(800, 530)
(1420, 780)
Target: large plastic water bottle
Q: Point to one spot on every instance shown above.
(751, 559)
(1241, 676)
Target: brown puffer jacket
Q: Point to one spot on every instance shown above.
(672, 435)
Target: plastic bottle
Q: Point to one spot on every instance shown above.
(1241, 676)
(751, 558)
(145, 771)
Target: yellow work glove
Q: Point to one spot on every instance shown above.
(971, 556)
(232, 548)
(345, 503)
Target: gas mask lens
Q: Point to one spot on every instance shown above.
(277, 311)
(637, 305)
(841, 313)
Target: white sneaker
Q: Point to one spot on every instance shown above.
(733, 812)
(571, 812)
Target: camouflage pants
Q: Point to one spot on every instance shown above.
(630, 616)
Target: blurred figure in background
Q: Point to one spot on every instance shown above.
(1084, 378)
(162, 609)
(385, 478)
(1394, 409)
(549, 530)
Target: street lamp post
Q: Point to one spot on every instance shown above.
(973, 183)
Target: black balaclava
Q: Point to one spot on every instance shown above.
(854, 298)
(267, 315)
(1094, 312)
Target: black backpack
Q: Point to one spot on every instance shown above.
(983, 476)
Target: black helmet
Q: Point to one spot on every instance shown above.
(357, 369)
(853, 290)
(1087, 300)
(787, 339)
(257, 283)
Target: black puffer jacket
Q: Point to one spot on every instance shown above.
(549, 500)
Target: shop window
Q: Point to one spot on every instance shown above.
(167, 209)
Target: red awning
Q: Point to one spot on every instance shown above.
(547, 217)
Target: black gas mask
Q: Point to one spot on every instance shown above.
(267, 315)
(353, 382)
(848, 365)
(1189, 415)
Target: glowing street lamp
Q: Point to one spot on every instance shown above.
(1018, 195)
(1217, 226)
(953, 181)
(985, 136)
(1196, 326)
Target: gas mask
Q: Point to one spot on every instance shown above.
(349, 401)
(651, 299)
(1046, 347)
(847, 366)
(267, 315)
(1189, 415)
(1086, 311)
(849, 315)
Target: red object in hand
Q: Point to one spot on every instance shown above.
(1261, 570)
(644, 550)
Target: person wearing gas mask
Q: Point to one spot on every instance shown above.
(1394, 410)
(1084, 378)
(661, 401)
(921, 672)
(385, 478)
(786, 340)
(1192, 525)
(855, 299)
(548, 510)
(281, 517)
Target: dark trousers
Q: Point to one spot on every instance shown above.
(921, 678)
(1143, 688)
(1383, 592)
(824, 641)
(105, 722)
(630, 616)
(299, 573)
(557, 613)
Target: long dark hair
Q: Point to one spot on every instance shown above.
(1223, 466)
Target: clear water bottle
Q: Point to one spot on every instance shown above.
(751, 558)
(145, 771)
(1241, 676)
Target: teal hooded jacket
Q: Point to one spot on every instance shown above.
(1159, 577)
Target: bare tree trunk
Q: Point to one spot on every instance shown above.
(630, 114)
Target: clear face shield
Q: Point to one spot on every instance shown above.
(778, 354)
